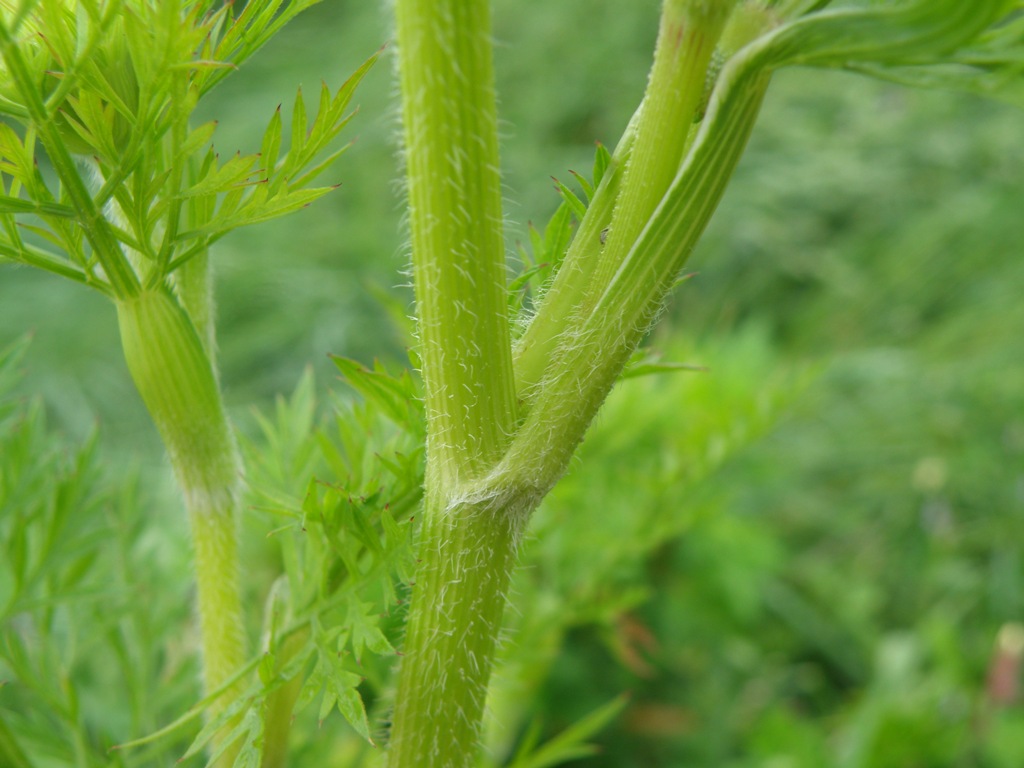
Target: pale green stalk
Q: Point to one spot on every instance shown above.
(176, 380)
(173, 372)
(589, 346)
(533, 350)
(596, 347)
(467, 542)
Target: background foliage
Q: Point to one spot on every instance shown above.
(833, 594)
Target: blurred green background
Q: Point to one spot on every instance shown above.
(840, 584)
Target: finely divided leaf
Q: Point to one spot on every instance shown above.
(236, 171)
(396, 397)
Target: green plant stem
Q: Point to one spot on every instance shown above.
(193, 284)
(593, 343)
(650, 157)
(173, 374)
(281, 704)
(454, 191)
(484, 479)
(533, 350)
(597, 346)
(687, 35)
(467, 543)
(466, 557)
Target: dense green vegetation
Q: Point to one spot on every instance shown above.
(803, 556)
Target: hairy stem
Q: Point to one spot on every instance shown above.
(597, 346)
(663, 215)
(454, 189)
(467, 546)
(467, 554)
(485, 472)
(687, 36)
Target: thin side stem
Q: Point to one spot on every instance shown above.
(687, 36)
(688, 33)
(280, 706)
(599, 346)
(176, 380)
(533, 350)
(593, 345)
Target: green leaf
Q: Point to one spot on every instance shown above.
(365, 630)
(198, 138)
(351, 706)
(16, 159)
(306, 145)
(312, 687)
(918, 32)
(238, 38)
(313, 171)
(557, 236)
(602, 159)
(645, 363)
(239, 212)
(299, 126)
(524, 278)
(577, 206)
(570, 744)
(586, 186)
(271, 144)
(211, 729)
(342, 690)
(235, 172)
(395, 397)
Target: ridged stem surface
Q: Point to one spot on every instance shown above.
(467, 542)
